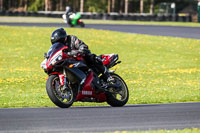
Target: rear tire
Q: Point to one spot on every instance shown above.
(61, 98)
(118, 98)
(82, 24)
(71, 25)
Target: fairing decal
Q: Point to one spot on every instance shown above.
(88, 91)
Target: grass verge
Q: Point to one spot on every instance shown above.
(90, 21)
(187, 24)
(194, 130)
(156, 69)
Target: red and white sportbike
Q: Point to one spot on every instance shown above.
(71, 80)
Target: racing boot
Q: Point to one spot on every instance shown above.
(107, 77)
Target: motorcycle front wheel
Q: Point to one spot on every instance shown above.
(117, 97)
(60, 95)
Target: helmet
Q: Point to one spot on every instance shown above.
(68, 9)
(59, 35)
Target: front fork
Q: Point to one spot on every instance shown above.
(62, 78)
(63, 81)
(64, 91)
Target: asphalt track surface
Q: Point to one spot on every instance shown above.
(173, 31)
(106, 118)
(101, 119)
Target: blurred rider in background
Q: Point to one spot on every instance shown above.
(69, 15)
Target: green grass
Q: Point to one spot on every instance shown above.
(90, 21)
(156, 69)
(194, 130)
(30, 19)
(190, 24)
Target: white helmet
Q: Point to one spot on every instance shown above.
(68, 8)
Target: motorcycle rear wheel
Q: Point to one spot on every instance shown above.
(63, 98)
(82, 24)
(118, 98)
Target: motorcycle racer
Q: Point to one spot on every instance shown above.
(75, 74)
(69, 15)
(78, 47)
(72, 18)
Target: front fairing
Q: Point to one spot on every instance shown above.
(55, 54)
(54, 48)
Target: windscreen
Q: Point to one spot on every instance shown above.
(54, 48)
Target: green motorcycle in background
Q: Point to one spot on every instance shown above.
(73, 19)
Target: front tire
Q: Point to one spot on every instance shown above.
(116, 97)
(62, 97)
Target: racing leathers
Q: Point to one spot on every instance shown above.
(77, 46)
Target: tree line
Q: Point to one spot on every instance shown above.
(101, 6)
